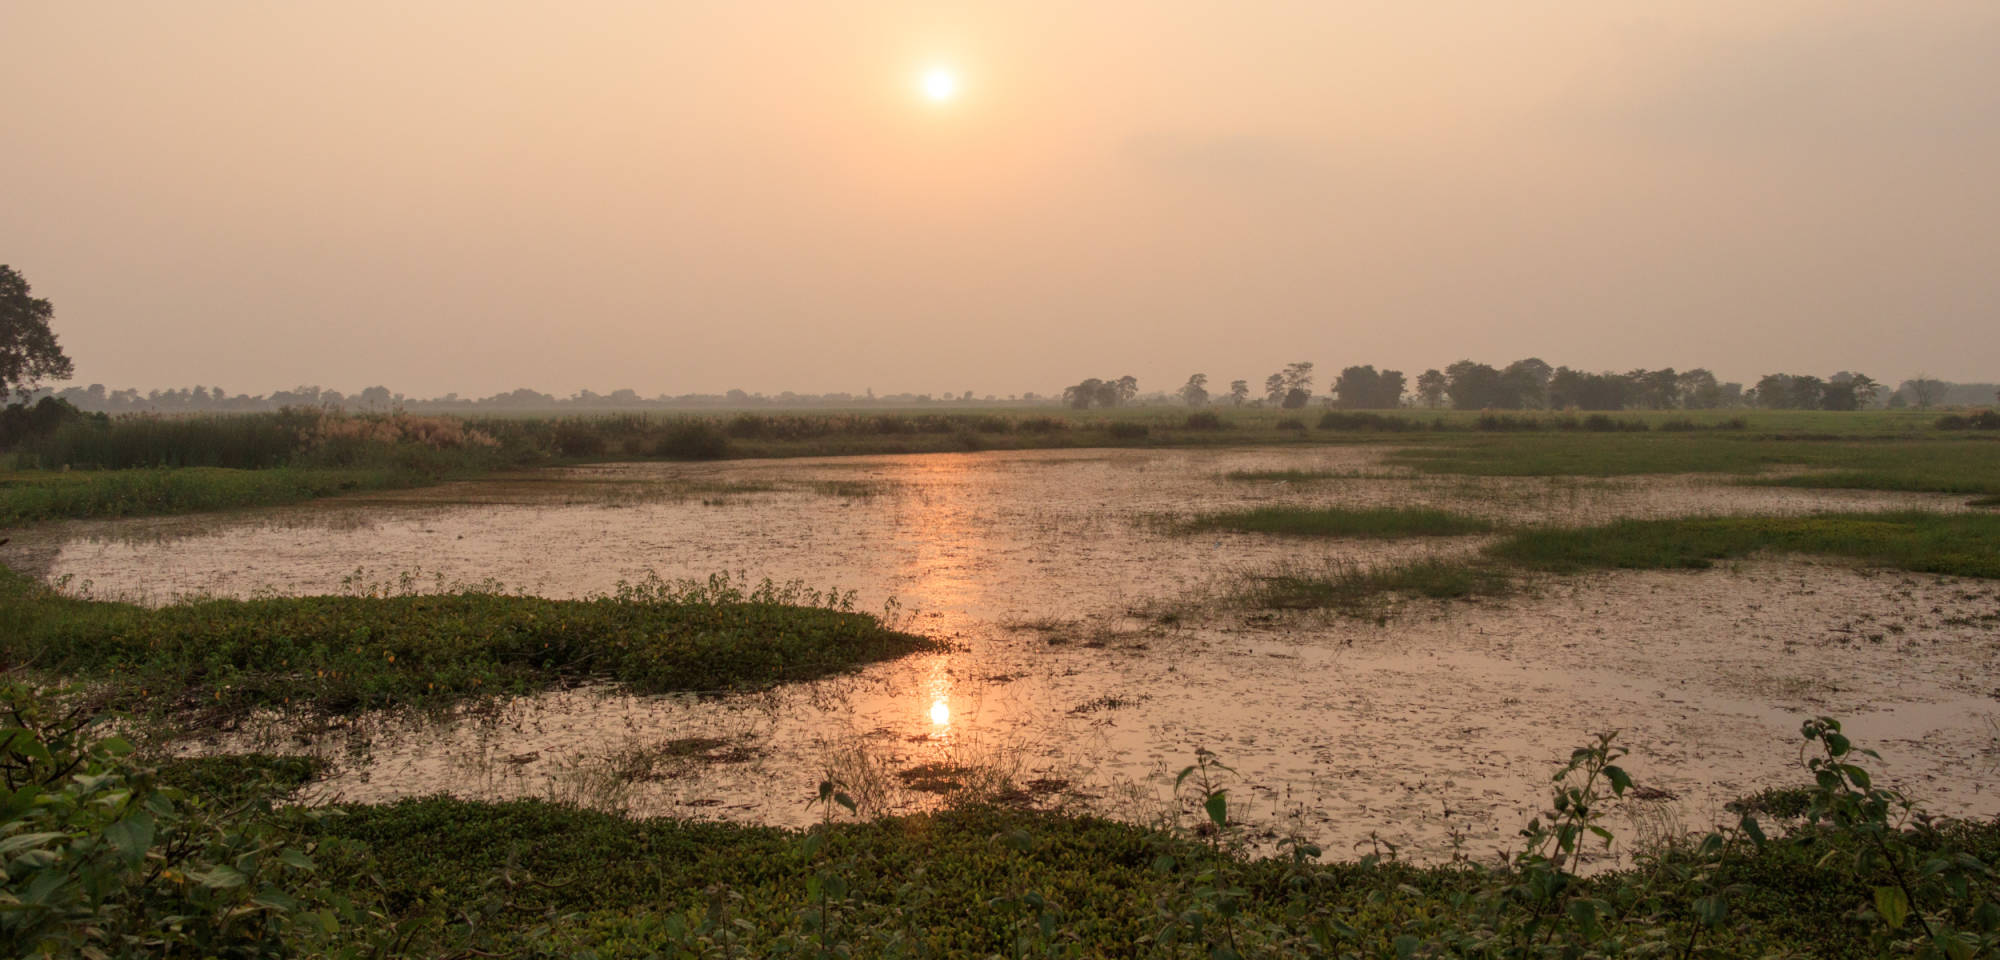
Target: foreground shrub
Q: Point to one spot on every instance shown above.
(102, 860)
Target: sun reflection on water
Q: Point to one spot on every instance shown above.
(940, 712)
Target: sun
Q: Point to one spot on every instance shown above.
(939, 84)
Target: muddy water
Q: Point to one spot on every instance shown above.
(1045, 571)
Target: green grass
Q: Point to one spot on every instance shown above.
(1941, 464)
(1965, 545)
(1372, 523)
(1358, 591)
(339, 654)
(624, 888)
(28, 496)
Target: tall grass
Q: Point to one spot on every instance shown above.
(28, 497)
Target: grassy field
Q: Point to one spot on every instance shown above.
(144, 465)
(29, 496)
(1966, 545)
(217, 659)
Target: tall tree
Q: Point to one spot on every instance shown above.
(1195, 392)
(28, 349)
(1239, 391)
(1274, 387)
(1431, 387)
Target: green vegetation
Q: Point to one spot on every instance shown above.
(30, 496)
(1953, 465)
(302, 453)
(213, 659)
(1299, 476)
(1966, 545)
(1376, 522)
(1357, 590)
(101, 850)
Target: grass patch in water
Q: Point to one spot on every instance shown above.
(1824, 462)
(1374, 522)
(1358, 590)
(341, 654)
(1303, 476)
(1965, 545)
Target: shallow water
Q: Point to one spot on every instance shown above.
(1043, 568)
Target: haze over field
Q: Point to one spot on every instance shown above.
(471, 196)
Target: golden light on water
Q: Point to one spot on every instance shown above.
(940, 712)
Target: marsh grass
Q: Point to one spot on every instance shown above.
(1365, 591)
(850, 489)
(211, 661)
(1966, 545)
(33, 496)
(1937, 465)
(1307, 476)
(1371, 523)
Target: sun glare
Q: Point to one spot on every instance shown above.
(939, 84)
(940, 712)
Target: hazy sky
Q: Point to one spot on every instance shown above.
(475, 195)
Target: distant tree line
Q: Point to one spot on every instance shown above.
(1532, 384)
(1529, 384)
(204, 399)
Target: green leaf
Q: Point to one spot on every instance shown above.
(1892, 906)
(1620, 780)
(1218, 808)
(1710, 910)
(221, 877)
(132, 836)
(24, 841)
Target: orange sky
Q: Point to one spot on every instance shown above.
(477, 195)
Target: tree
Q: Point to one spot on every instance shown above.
(1866, 390)
(1474, 386)
(1808, 393)
(1195, 391)
(1239, 391)
(1364, 388)
(1274, 387)
(1774, 391)
(1923, 389)
(1084, 394)
(1299, 377)
(1525, 383)
(1356, 387)
(28, 349)
(1699, 390)
(1431, 387)
(1128, 387)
